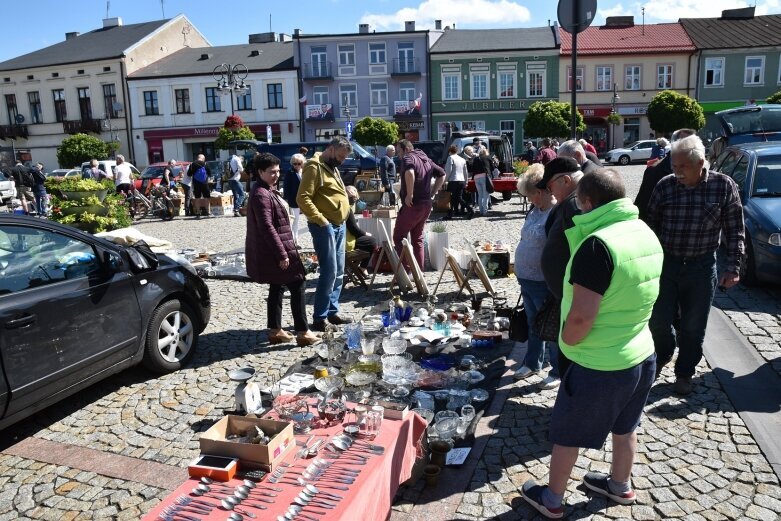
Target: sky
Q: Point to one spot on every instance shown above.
(40, 23)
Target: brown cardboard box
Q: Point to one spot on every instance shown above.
(214, 442)
(223, 200)
(442, 201)
(384, 212)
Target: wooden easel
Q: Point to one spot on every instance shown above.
(388, 253)
(417, 275)
(476, 266)
(461, 280)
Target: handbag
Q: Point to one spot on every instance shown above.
(547, 320)
(489, 184)
(519, 323)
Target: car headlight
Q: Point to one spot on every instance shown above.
(774, 239)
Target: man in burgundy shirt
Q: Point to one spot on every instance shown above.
(416, 195)
(546, 154)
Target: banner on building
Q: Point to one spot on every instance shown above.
(323, 112)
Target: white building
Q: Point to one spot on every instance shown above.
(178, 109)
(79, 85)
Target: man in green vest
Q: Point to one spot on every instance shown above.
(610, 286)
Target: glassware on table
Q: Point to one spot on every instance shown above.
(370, 422)
(394, 346)
(479, 395)
(467, 415)
(446, 428)
(426, 414)
(362, 380)
(368, 345)
(458, 399)
(329, 383)
(441, 415)
(352, 335)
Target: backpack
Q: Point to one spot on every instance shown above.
(26, 177)
(200, 174)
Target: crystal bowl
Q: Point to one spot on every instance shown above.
(446, 428)
(394, 346)
(360, 378)
(329, 383)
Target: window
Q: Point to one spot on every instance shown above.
(377, 53)
(479, 82)
(85, 106)
(36, 114)
(755, 70)
(632, 77)
(274, 91)
(507, 128)
(320, 96)
(346, 55)
(604, 78)
(10, 103)
(664, 76)
(535, 80)
(60, 113)
(349, 95)
(110, 100)
(714, 72)
(212, 100)
(406, 91)
(150, 103)
(182, 101)
(319, 63)
(406, 57)
(506, 83)
(451, 86)
(578, 79)
(739, 174)
(379, 93)
(244, 101)
(631, 130)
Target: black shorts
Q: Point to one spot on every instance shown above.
(591, 404)
(124, 188)
(200, 189)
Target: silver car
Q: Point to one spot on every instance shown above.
(637, 151)
(7, 188)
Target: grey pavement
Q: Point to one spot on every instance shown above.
(697, 457)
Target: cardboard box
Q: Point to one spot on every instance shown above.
(384, 212)
(223, 200)
(222, 210)
(214, 442)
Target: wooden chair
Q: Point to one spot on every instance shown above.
(353, 272)
(452, 263)
(408, 257)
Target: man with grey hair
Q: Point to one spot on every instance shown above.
(574, 149)
(690, 212)
(388, 171)
(123, 176)
(322, 198)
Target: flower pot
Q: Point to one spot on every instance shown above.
(97, 209)
(436, 255)
(439, 450)
(80, 196)
(431, 473)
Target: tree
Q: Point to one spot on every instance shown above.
(225, 136)
(550, 119)
(669, 110)
(375, 131)
(78, 148)
(775, 98)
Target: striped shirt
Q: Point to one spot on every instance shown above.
(690, 221)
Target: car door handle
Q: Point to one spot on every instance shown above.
(23, 321)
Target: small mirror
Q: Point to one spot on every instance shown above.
(112, 261)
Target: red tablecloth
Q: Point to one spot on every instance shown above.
(369, 497)
(501, 184)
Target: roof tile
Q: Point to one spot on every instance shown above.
(637, 39)
(715, 33)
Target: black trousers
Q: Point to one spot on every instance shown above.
(187, 197)
(366, 243)
(297, 304)
(457, 202)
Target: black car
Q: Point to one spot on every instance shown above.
(76, 308)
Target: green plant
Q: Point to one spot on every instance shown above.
(669, 110)
(520, 166)
(550, 119)
(375, 131)
(225, 136)
(117, 216)
(614, 119)
(78, 148)
(438, 228)
(774, 98)
(73, 184)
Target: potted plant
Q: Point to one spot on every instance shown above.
(76, 189)
(437, 240)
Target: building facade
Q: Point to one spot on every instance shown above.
(486, 79)
(620, 68)
(738, 63)
(345, 77)
(79, 85)
(178, 107)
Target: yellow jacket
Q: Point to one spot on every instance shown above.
(321, 195)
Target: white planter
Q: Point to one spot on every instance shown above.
(436, 256)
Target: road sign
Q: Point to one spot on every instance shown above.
(348, 127)
(268, 134)
(575, 15)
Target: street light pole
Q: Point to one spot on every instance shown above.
(613, 115)
(230, 79)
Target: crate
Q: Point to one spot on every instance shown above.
(384, 212)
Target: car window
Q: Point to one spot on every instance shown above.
(719, 160)
(739, 173)
(728, 164)
(767, 176)
(645, 145)
(30, 258)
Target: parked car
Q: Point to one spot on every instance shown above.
(637, 151)
(153, 174)
(217, 168)
(751, 123)
(64, 172)
(108, 165)
(756, 168)
(7, 188)
(76, 309)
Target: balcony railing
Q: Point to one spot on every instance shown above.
(318, 71)
(13, 131)
(81, 126)
(405, 67)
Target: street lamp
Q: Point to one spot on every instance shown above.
(347, 113)
(108, 126)
(230, 79)
(613, 117)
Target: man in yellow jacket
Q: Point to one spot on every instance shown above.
(322, 198)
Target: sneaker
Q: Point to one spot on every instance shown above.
(523, 373)
(532, 493)
(598, 482)
(318, 325)
(338, 321)
(683, 385)
(550, 382)
(236, 214)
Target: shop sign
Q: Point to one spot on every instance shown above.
(485, 105)
(632, 111)
(410, 125)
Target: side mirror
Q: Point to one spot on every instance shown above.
(112, 261)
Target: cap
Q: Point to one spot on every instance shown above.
(559, 165)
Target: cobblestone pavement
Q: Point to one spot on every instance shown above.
(697, 460)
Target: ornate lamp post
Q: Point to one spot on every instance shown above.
(107, 125)
(613, 117)
(230, 79)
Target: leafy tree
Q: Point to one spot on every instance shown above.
(550, 119)
(669, 110)
(775, 98)
(225, 136)
(76, 149)
(375, 131)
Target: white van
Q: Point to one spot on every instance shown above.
(108, 165)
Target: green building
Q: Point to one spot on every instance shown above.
(486, 79)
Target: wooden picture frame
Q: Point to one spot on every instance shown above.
(477, 267)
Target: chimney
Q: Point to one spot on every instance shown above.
(74, 34)
(204, 56)
(284, 38)
(254, 52)
(409, 26)
(363, 28)
(745, 13)
(620, 21)
(297, 33)
(262, 38)
(112, 22)
(438, 25)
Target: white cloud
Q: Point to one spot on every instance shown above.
(672, 10)
(464, 13)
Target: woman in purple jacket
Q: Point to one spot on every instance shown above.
(272, 257)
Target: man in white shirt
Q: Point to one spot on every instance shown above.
(123, 176)
(457, 176)
(235, 183)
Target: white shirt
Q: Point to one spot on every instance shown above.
(455, 168)
(236, 168)
(123, 174)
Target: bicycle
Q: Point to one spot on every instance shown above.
(158, 203)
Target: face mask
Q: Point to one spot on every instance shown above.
(352, 200)
(360, 205)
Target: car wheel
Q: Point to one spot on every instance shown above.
(748, 268)
(171, 337)
(623, 160)
(506, 196)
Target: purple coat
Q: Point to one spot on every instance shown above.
(270, 239)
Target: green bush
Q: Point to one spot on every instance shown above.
(669, 110)
(375, 131)
(775, 98)
(78, 148)
(550, 119)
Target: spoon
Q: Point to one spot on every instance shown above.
(309, 496)
(335, 487)
(251, 484)
(351, 441)
(328, 468)
(342, 444)
(234, 516)
(246, 490)
(306, 497)
(316, 477)
(239, 498)
(297, 510)
(314, 490)
(227, 505)
(199, 492)
(304, 502)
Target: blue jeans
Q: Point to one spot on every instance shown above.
(534, 293)
(481, 183)
(328, 241)
(40, 201)
(687, 284)
(238, 194)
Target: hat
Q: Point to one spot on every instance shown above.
(475, 140)
(559, 165)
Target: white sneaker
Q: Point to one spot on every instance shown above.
(550, 382)
(523, 373)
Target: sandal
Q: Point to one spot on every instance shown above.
(282, 337)
(307, 339)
